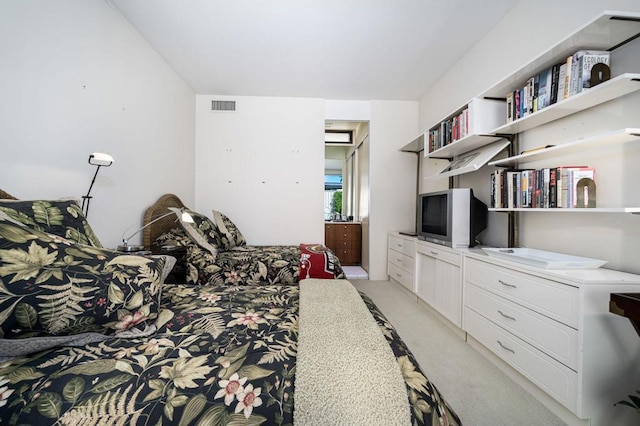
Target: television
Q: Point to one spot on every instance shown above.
(453, 218)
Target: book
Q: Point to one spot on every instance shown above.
(562, 74)
(555, 75)
(582, 63)
(510, 110)
(552, 188)
(530, 94)
(567, 77)
(587, 61)
(575, 175)
(542, 89)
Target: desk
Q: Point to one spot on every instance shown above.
(626, 305)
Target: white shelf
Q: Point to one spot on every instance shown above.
(461, 146)
(609, 138)
(634, 210)
(416, 145)
(605, 32)
(611, 89)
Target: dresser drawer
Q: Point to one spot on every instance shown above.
(403, 277)
(445, 255)
(401, 260)
(554, 378)
(551, 337)
(549, 298)
(403, 246)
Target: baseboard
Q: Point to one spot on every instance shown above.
(552, 405)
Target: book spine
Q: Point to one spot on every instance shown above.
(509, 107)
(567, 77)
(552, 188)
(562, 74)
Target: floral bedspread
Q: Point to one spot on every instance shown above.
(222, 355)
(247, 265)
(240, 265)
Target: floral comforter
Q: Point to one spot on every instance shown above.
(221, 355)
(240, 265)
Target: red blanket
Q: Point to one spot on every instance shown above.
(317, 261)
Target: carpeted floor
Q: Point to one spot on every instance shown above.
(478, 391)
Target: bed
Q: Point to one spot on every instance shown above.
(215, 252)
(130, 349)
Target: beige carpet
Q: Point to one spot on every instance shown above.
(477, 390)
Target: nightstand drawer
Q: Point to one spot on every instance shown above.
(549, 298)
(551, 337)
(554, 378)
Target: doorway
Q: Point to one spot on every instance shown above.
(347, 182)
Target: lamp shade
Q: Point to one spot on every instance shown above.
(101, 159)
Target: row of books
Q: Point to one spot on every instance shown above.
(560, 187)
(449, 131)
(556, 83)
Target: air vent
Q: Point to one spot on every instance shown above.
(223, 105)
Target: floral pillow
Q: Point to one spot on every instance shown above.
(229, 233)
(50, 286)
(57, 217)
(202, 231)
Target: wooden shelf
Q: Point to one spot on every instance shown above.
(611, 89)
(609, 138)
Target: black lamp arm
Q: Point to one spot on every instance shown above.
(87, 198)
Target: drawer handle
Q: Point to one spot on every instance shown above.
(399, 245)
(435, 253)
(506, 284)
(399, 260)
(504, 347)
(505, 315)
(398, 275)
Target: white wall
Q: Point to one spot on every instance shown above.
(77, 78)
(606, 236)
(263, 166)
(392, 177)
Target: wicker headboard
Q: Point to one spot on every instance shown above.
(6, 196)
(150, 233)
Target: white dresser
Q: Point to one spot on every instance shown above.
(401, 259)
(555, 328)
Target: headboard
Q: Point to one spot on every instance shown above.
(150, 233)
(6, 196)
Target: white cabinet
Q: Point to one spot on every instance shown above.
(401, 259)
(554, 327)
(439, 279)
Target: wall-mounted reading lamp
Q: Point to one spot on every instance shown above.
(99, 159)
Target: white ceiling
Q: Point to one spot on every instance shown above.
(332, 49)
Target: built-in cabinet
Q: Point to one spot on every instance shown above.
(345, 240)
(552, 327)
(439, 280)
(401, 259)
(555, 328)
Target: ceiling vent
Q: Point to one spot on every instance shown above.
(223, 105)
